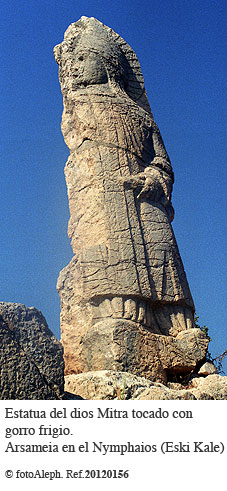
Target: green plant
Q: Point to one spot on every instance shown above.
(217, 361)
(122, 395)
(202, 328)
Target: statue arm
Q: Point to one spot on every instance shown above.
(161, 159)
(156, 181)
(152, 184)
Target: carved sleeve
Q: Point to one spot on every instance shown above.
(152, 184)
(161, 159)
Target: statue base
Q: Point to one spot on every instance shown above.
(124, 346)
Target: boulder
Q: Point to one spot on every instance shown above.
(105, 384)
(208, 368)
(31, 357)
(210, 387)
(126, 347)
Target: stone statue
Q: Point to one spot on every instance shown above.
(126, 275)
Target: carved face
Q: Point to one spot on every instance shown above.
(88, 68)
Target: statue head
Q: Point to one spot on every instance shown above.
(90, 57)
(93, 54)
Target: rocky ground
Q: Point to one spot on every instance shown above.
(112, 385)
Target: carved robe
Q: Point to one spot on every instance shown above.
(124, 245)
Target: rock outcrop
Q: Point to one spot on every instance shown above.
(127, 347)
(125, 300)
(111, 385)
(31, 358)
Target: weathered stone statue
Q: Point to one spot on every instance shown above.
(126, 304)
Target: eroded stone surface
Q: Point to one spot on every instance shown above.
(31, 358)
(210, 387)
(105, 385)
(109, 384)
(126, 347)
(126, 270)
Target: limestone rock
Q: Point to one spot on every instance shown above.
(31, 358)
(105, 384)
(210, 387)
(157, 393)
(124, 346)
(207, 368)
(111, 385)
(126, 283)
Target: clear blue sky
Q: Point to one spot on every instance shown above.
(181, 46)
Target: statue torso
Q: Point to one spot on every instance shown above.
(111, 119)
